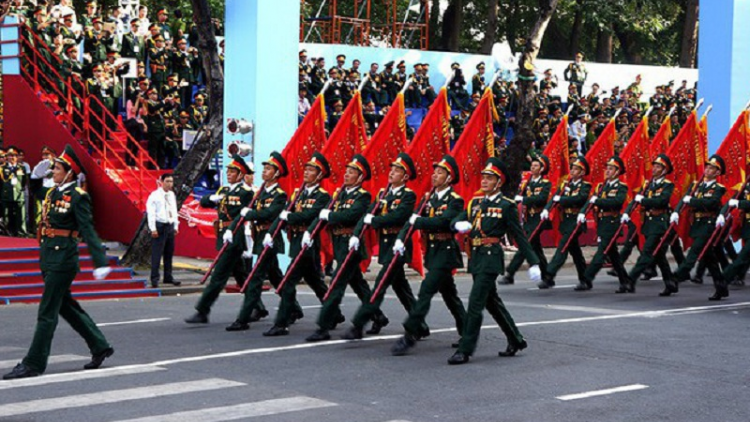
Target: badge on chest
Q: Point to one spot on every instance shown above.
(62, 206)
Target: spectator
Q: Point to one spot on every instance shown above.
(163, 223)
(303, 105)
(577, 131)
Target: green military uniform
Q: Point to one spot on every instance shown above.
(95, 45)
(478, 82)
(611, 196)
(491, 218)
(572, 198)
(14, 179)
(705, 205)
(157, 130)
(158, 61)
(66, 216)
(134, 47)
(576, 74)
(442, 258)
(739, 266)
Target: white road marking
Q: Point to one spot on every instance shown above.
(240, 411)
(77, 376)
(114, 396)
(556, 286)
(9, 349)
(5, 364)
(587, 394)
(588, 309)
(136, 321)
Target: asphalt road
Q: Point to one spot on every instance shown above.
(592, 356)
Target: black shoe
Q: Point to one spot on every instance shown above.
(546, 284)
(721, 292)
(296, 316)
(197, 318)
(697, 280)
(512, 349)
(403, 345)
(613, 273)
(423, 333)
(353, 333)
(339, 320)
(21, 371)
(671, 285)
(276, 331)
(238, 326)
(581, 287)
(258, 314)
(377, 324)
(622, 289)
(506, 280)
(458, 358)
(98, 359)
(738, 282)
(173, 282)
(716, 296)
(319, 335)
(455, 345)
(648, 274)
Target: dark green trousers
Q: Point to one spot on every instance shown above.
(268, 269)
(597, 262)
(352, 276)
(630, 243)
(709, 259)
(558, 260)
(739, 266)
(647, 259)
(436, 281)
(484, 296)
(57, 300)
(518, 258)
(401, 287)
(308, 270)
(230, 263)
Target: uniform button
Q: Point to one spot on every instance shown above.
(57, 248)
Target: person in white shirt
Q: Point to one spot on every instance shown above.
(163, 223)
(577, 130)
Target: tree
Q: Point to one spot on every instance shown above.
(491, 32)
(452, 24)
(196, 160)
(516, 153)
(689, 45)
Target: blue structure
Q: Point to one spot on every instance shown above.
(9, 48)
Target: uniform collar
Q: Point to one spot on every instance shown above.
(310, 189)
(351, 189)
(612, 182)
(493, 197)
(659, 181)
(65, 186)
(536, 179)
(395, 190)
(709, 183)
(234, 186)
(270, 189)
(441, 194)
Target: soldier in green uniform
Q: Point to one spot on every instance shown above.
(15, 180)
(607, 202)
(66, 216)
(738, 268)
(157, 56)
(655, 202)
(533, 197)
(487, 220)
(312, 200)
(198, 111)
(133, 45)
(478, 82)
(705, 206)
(573, 196)
(576, 73)
(386, 84)
(443, 255)
(271, 202)
(181, 68)
(87, 18)
(157, 131)
(396, 208)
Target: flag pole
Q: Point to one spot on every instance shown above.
(364, 81)
(406, 85)
(708, 110)
(650, 109)
(699, 104)
(674, 107)
(325, 87)
(448, 80)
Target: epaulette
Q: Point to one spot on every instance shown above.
(668, 181)
(719, 184)
(246, 187)
(321, 190)
(585, 182)
(361, 190)
(545, 181)
(81, 191)
(455, 195)
(511, 200)
(406, 189)
(623, 183)
(279, 190)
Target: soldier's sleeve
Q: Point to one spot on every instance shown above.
(354, 214)
(681, 204)
(307, 215)
(514, 226)
(541, 199)
(661, 201)
(206, 201)
(84, 219)
(398, 216)
(709, 204)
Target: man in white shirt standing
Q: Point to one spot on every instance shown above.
(577, 130)
(163, 222)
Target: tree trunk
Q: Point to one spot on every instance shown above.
(575, 31)
(452, 22)
(689, 46)
(604, 47)
(629, 44)
(434, 40)
(510, 25)
(516, 152)
(195, 162)
(491, 31)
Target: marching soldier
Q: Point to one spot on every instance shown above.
(705, 206)
(608, 203)
(14, 182)
(534, 197)
(477, 81)
(576, 73)
(397, 207)
(487, 220)
(571, 200)
(66, 216)
(443, 255)
(737, 269)
(655, 202)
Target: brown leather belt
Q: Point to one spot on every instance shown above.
(52, 232)
(534, 210)
(571, 210)
(441, 236)
(609, 214)
(262, 227)
(656, 213)
(296, 229)
(391, 230)
(223, 224)
(484, 241)
(707, 214)
(343, 231)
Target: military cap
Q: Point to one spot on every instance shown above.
(360, 163)
(455, 65)
(143, 79)
(449, 164)
(2, 153)
(98, 67)
(184, 114)
(91, 3)
(152, 26)
(338, 103)
(70, 47)
(303, 52)
(69, 159)
(718, 162)
(152, 90)
(497, 168)
(333, 70)
(579, 54)
(417, 65)
(113, 54)
(616, 161)
(302, 87)
(39, 9)
(96, 20)
(544, 161)
(320, 162)
(172, 77)
(158, 38)
(11, 151)
(136, 20)
(581, 163)
(341, 56)
(69, 15)
(239, 164)
(405, 162)
(664, 160)
(480, 65)
(181, 41)
(48, 150)
(162, 11)
(389, 64)
(277, 161)
(401, 64)
(199, 97)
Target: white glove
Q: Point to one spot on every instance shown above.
(368, 218)
(399, 247)
(556, 198)
(593, 199)
(687, 199)
(462, 226)
(734, 203)
(215, 198)
(518, 198)
(354, 243)
(720, 221)
(413, 219)
(544, 215)
(284, 215)
(102, 272)
(581, 219)
(535, 274)
(324, 214)
(228, 235)
(307, 241)
(624, 219)
(267, 241)
(638, 198)
(674, 218)
(247, 254)
(244, 212)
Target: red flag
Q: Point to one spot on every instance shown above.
(431, 142)
(387, 141)
(559, 155)
(734, 150)
(660, 143)
(349, 137)
(602, 150)
(703, 136)
(637, 161)
(309, 137)
(475, 146)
